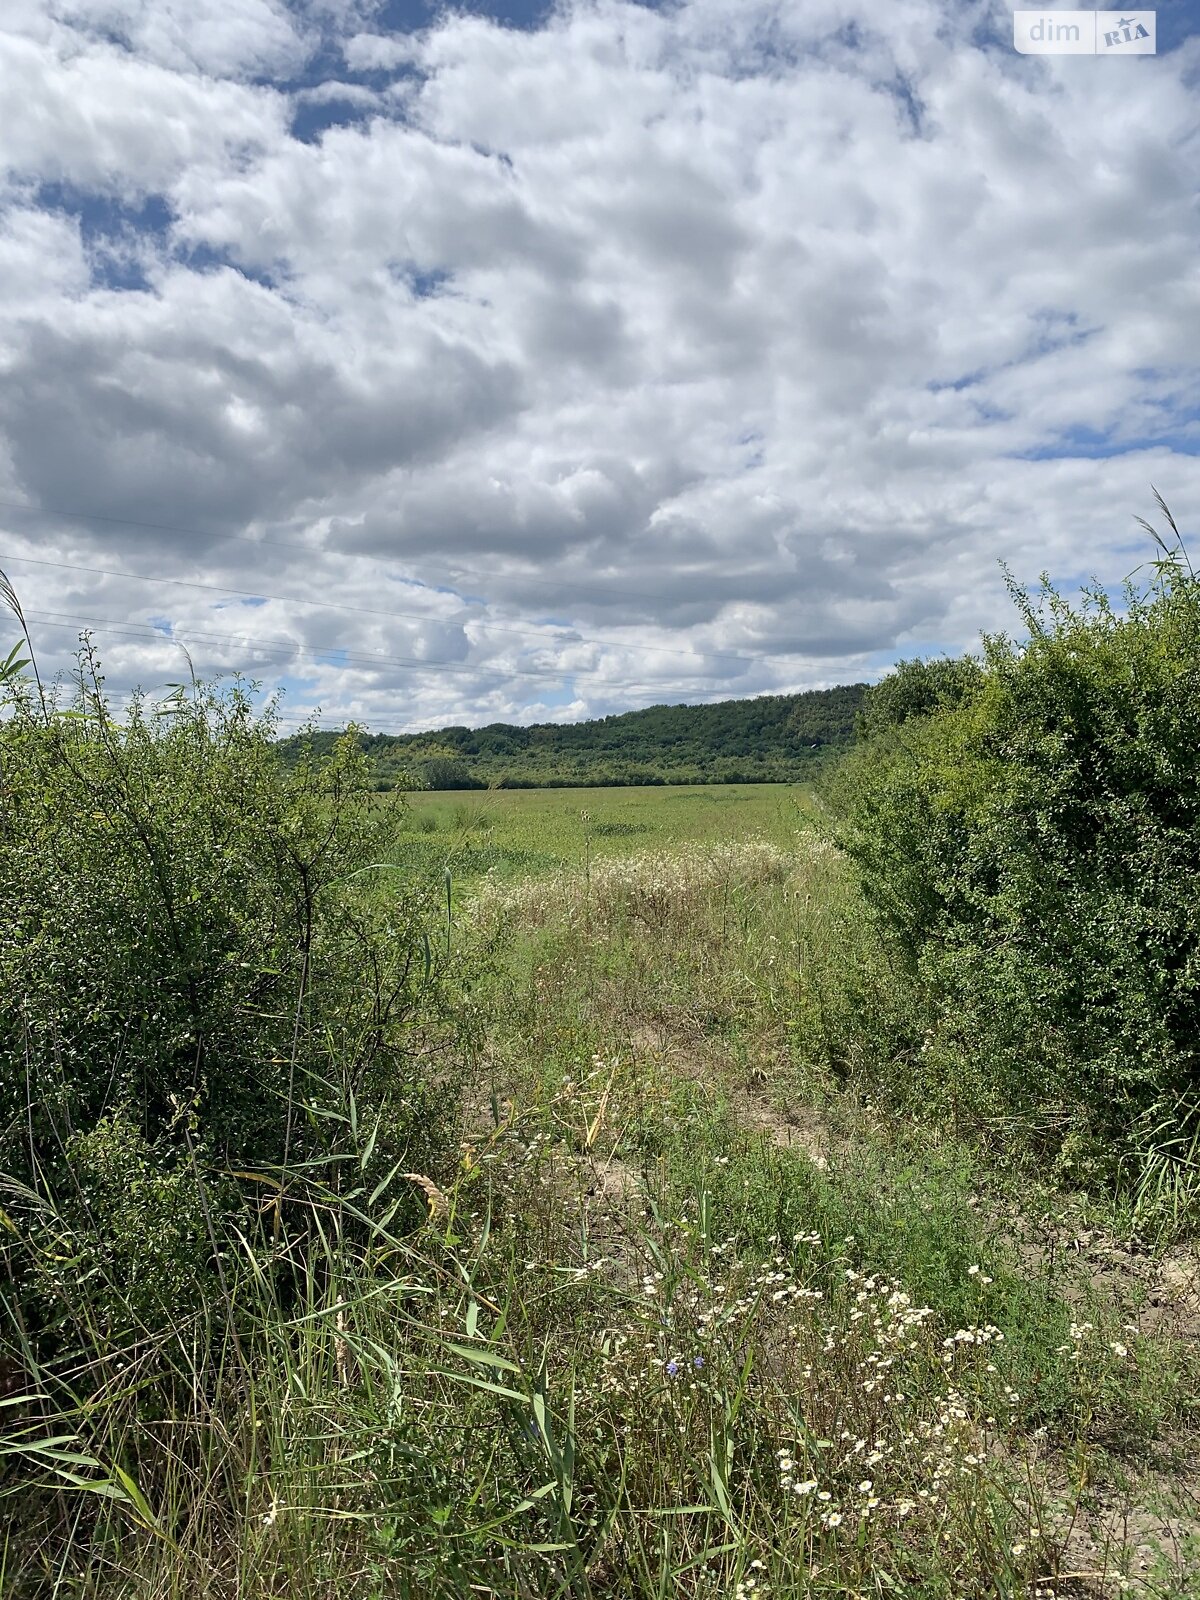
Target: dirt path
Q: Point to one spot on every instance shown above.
(693, 1055)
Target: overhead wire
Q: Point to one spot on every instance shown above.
(544, 637)
(318, 550)
(149, 633)
(491, 627)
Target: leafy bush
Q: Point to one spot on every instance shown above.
(917, 689)
(447, 772)
(1030, 838)
(197, 979)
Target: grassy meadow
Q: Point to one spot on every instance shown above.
(511, 832)
(599, 1193)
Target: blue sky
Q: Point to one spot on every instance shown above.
(521, 361)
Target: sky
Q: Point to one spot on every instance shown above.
(536, 361)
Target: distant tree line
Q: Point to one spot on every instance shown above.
(770, 739)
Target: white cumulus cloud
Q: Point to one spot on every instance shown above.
(652, 353)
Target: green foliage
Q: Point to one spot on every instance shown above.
(447, 772)
(912, 1216)
(916, 689)
(197, 968)
(1031, 842)
(645, 1342)
(772, 738)
(132, 1230)
(684, 1316)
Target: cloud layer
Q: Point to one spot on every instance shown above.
(483, 372)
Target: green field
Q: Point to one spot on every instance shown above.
(513, 831)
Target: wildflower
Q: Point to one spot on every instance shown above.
(806, 1487)
(1118, 1349)
(672, 1368)
(698, 1362)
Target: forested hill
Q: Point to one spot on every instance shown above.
(769, 739)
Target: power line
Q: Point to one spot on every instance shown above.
(368, 611)
(148, 633)
(310, 550)
(381, 560)
(288, 647)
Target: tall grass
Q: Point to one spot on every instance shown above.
(532, 1396)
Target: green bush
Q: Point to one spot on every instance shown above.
(1030, 839)
(201, 987)
(448, 772)
(917, 689)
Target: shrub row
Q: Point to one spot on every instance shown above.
(1027, 828)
